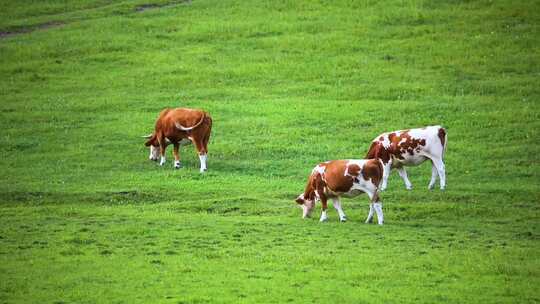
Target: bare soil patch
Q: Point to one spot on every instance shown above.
(28, 29)
(149, 6)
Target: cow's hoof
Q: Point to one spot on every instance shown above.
(177, 166)
(343, 219)
(322, 220)
(408, 188)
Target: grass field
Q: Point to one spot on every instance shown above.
(86, 218)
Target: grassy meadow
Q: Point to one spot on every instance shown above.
(85, 217)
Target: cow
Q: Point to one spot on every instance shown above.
(180, 126)
(411, 147)
(348, 178)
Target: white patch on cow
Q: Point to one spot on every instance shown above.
(417, 133)
(202, 159)
(307, 206)
(319, 169)
(378, 208)
(305, 210)
(385, 142)
(324, 216)
(162, 161)
(154, 153)
(177, 164)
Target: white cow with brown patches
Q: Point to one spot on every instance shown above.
(180, 126)
(348, 178)
(411, 147)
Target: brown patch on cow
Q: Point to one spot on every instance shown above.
(409, 145)
(377, 150)
(373, 170)
(335, 178)
(353, 169)
(442, 136)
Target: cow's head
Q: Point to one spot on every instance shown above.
(153, 144)
(306, 205)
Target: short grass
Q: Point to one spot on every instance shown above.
(86, 218)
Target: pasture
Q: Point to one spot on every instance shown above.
(86, 218)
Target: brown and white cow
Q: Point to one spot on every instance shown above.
(411, 148)
(348, 178)
(180, 126)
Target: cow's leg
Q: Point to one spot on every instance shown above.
(403, 175)
(378, 208)
(201, 148)
(324, 204)
(369, 218)
(386, 168)
(176, 155)
(377, 205)
(433, 176)
(337, 205)
(439, 164)
(162, 148)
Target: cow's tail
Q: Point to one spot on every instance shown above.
(443, 136)
(182, 128)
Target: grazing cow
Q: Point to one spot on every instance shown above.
(349, 178)
(180, 126)
(411, 148)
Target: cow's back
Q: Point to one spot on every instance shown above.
(184, 116)
(334, 176)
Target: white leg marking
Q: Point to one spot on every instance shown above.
(403, 175)
(370, 215)
(378, 208)
(433, 176)
(324, 216)
(177, 164)
(440, 169)
(337, 205)
(202, 159)
(162, 161)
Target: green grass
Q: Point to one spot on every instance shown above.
(86, 218)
